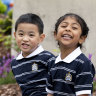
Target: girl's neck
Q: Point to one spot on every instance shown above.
(66, 51)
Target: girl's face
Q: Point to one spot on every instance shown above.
(28, 38)
(69, 33)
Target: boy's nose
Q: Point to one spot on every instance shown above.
(25, 38)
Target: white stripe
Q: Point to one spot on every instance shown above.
(59, 93)
(83, 92)
(61, 80)
(49, 91)
(44, 54)
(32, 82)
(29, 62)
(79, 60)
(26, 73)
(84, 73)
(48, 84)
(86, 85)
(63, 93)
(53, 58)
(41, 86)
(34, 93)
(63, 68)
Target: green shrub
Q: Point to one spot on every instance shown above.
(3, 7)
(94, 83)
(8, 80)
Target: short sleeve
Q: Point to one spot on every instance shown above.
(49, 86)
(84, 78)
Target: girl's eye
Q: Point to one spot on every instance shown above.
(74, 28)
(63, 26)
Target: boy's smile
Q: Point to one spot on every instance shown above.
(28, 38)
(25, 46)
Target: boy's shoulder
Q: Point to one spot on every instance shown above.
(46, 53)
(13, 62)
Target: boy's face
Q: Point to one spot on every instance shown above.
(28, 38)
(69, 33)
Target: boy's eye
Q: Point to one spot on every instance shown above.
(31, 35)
(20, 34)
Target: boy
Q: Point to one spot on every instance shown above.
(30, 68)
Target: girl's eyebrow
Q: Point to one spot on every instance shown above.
(72, 23)
(76, 24)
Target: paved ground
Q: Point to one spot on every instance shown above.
(14, 90)
(10, 90)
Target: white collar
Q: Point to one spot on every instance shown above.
(70, 57)
(37, 51)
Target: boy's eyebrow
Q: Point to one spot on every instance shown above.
(24, 31)
(20, 30)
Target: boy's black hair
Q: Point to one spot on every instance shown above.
(80, 20)
(32, 19)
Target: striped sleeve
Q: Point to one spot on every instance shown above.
(84, 78)
(49, 86)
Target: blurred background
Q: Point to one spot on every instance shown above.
(49, 11)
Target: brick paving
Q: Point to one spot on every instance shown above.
(10, 90)
(14, 90)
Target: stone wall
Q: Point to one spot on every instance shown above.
(51, 10)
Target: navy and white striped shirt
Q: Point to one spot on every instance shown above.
(31, 72)
(71, 76)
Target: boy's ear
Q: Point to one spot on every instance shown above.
(15, 34)
(42, 36)
(82, 39)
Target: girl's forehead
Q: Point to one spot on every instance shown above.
(70, 18)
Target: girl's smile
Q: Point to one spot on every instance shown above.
(69, 33)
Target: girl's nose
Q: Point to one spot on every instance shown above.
(68, 28)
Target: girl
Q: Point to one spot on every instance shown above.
(72, 73)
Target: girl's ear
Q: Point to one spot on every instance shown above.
(55, 35)
(82, 39)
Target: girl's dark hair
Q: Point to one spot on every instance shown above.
(80, 20)
(32, 19)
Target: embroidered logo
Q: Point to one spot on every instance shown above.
(68, 77)
(34, 67)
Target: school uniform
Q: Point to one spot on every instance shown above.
(71, 76)
(31, 72)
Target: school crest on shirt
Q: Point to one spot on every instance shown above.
(34, 67)
(68, 77)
